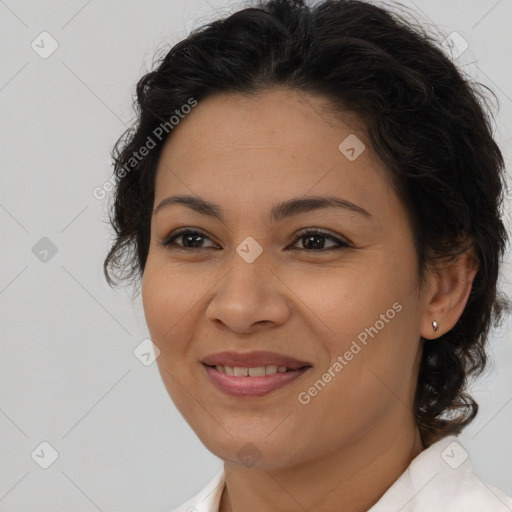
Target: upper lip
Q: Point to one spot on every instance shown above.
(253, 359)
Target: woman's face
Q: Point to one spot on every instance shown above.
(344, 300)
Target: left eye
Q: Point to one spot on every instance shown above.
(311, 237)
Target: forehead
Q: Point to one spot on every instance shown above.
(279, 143)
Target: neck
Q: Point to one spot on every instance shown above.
(353, 478)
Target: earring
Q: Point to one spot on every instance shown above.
(434, 325)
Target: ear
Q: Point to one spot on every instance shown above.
(447, 295)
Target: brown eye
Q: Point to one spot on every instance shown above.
(314, 241)
(189, 238)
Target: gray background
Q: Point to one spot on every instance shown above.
(68, 374)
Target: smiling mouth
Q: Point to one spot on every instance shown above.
(252, 382)
(255, 371)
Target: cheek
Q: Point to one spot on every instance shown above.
(342, 302)
(364, 380)
(165, 309)
(168, 312)
(369, 319)
(157, 301)
(168, 296)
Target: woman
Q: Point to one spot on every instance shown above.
(310, 202)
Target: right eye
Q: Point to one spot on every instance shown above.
(187, 236)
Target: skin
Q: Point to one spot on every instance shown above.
(358, 434)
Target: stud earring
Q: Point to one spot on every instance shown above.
(434, 325)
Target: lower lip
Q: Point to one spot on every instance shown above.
(251, 386)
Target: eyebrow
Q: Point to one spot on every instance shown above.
(279, 211)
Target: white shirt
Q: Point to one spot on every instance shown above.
(439, 479)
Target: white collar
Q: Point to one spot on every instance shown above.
(439, 479)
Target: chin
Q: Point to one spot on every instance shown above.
(254, 453)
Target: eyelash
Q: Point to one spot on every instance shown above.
(169, 243)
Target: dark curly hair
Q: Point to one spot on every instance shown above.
(428, 123)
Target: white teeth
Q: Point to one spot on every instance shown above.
(240, 372)
(258, 371)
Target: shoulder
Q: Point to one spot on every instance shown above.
(441, 479)
(207, 499)
(470, 493)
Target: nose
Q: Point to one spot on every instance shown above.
(250, 297)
